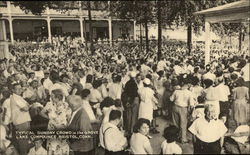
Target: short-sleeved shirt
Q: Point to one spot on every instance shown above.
(170, 148)
(7, 112)
(40, 151)
(223, 92)
(182, 97)
(95, 96)
(3, 136)
(208, 131)
(138, 143)
(210, 76)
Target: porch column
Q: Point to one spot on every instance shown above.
(110, 31)
(81, 28)
(3, 30)
(48, 24)
(81, 20)
(10, 22)
(134, 30)
(207, 42)
(11, 30)
(49, 29)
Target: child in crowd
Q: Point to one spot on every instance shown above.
(38, 148)
(169, 146)
(198, 110)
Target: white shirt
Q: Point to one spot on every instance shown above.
(246, 72)
(95, 96)
(106, 111)
(196, 91)
(223, 92)
(239, 129)
(138, 143)
(83, 81)
(170, 148)
(114, 138)
(40, 151)
(161, 65)
(39, 74)
(182, 98)
(18, 116)
(47, 83)
(145, 69)
(178, 70)
(115, 90)
(88, 109)
(208, 131)
(3, 136)
(210, 76)
(7, 117)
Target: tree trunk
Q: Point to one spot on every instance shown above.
(146, 35)
(90, 28)
(159, 31)
(189, 37)
(240, 39)
(140, 38)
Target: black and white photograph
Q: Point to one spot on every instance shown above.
(118, 77)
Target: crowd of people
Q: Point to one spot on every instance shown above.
(119, 91)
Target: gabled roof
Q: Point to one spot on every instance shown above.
(243, 4)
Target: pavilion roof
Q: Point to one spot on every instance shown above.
(239, 5)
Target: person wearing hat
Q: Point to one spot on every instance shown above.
(148, 101)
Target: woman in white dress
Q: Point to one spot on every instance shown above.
(160, 90)
(139, 141)
(211, 97)
(148, 101)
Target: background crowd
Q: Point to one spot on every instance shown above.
(119, 91)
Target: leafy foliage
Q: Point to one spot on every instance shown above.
(141, 11)
(36, 7)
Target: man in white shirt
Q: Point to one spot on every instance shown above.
(20, 116)
(183, 100)
(161, 65)
(55, 78)
(223, 92)
(110, 130)
(177, 68)
(82, 77)
(145, 69)
(47, 82)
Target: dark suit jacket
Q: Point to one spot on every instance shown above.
(81, 122)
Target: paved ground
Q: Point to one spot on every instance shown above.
(158, 138)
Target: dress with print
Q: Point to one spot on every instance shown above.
(59, 114)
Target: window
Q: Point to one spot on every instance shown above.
(3, 4)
